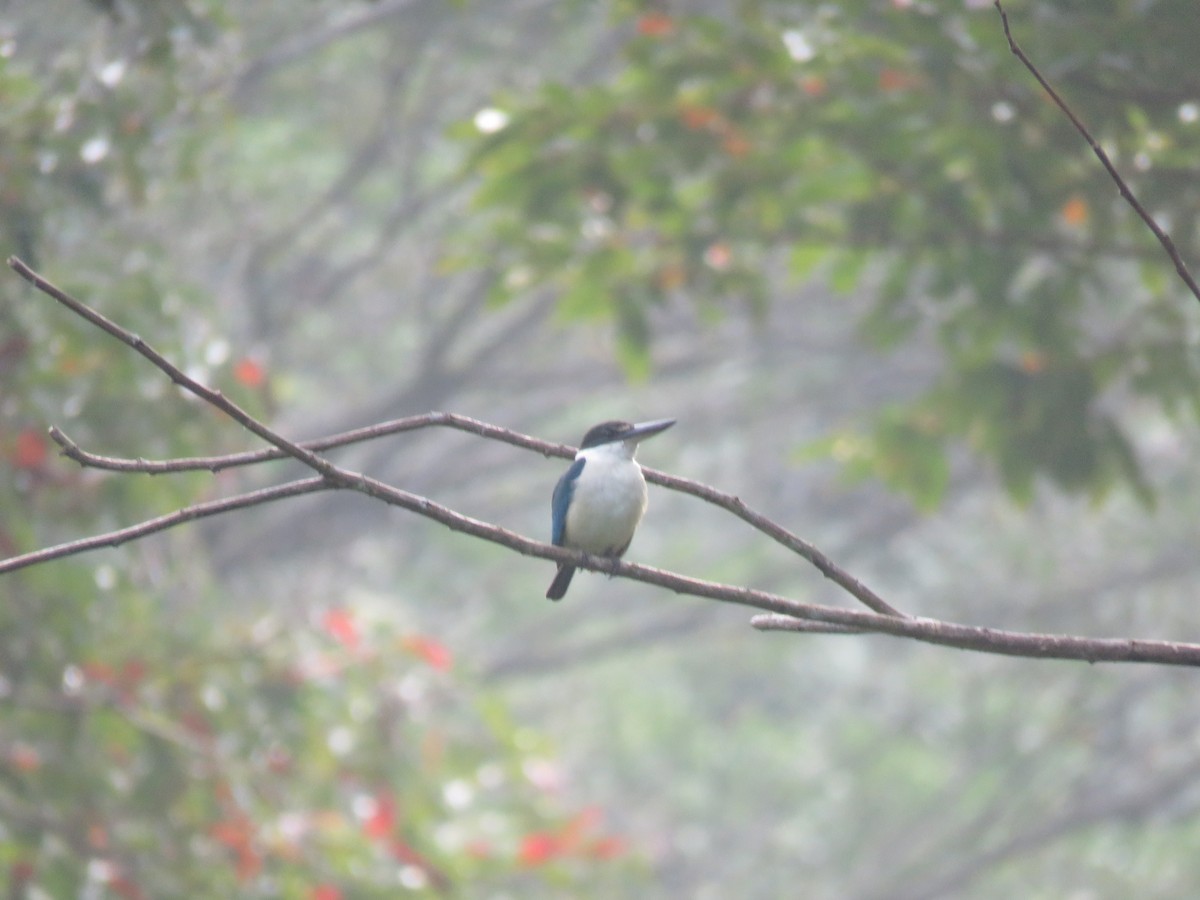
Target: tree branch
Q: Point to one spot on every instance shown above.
(724, 501)
(792, 615)
(1126, 193)
(786, 611)
(162, 523)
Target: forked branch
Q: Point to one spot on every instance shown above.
(786, 613)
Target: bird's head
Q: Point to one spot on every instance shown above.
(623, 434)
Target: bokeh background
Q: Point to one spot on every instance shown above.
(887, 290)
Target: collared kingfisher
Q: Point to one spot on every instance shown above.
(601, 498)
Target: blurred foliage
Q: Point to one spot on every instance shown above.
(900, 148)
(151, 755)
(148, 749)
(157, 739)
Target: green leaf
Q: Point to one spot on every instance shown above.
(847, 269)
(803, 259)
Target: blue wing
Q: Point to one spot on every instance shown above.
(563, 491)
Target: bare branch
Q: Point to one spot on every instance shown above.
(162, 523)
(786, 611)
(798, 545)
(1005, 643)
(333, 475)
(1126, 193)
(792, 615)
(231, 460)
(724, 501)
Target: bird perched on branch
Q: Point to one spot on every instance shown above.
(601, 498)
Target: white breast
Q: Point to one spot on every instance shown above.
(608, 503)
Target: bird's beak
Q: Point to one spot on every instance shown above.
(643, 430)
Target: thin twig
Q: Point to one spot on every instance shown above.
(796, 544)
(1163, 237)
(162, 523)
(71, 450)
(335, 476)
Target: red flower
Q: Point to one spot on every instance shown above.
(339, 624)
(571, 839)
(382, 819)
(249, 372)
(539, 847)
(435, 654)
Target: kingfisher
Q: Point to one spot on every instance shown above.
(600, 499)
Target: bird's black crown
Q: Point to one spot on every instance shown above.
(605, 433)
